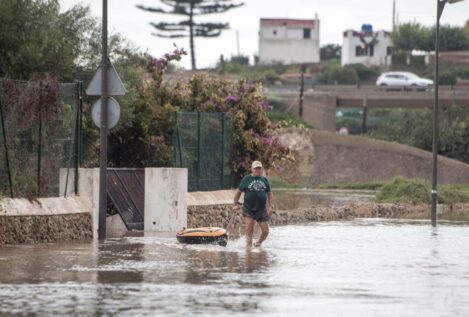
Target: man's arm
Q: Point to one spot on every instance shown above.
(270, 203)
(236, 203)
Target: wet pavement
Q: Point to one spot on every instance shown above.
(355, 268)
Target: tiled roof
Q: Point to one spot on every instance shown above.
(288, 23)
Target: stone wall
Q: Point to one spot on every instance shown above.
(44, 220)
(35, 229)
(220, 215)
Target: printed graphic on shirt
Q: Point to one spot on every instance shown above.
(257, 185)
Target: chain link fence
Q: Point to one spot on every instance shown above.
(202, 142)
(39, 135)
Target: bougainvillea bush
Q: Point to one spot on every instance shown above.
(147, 140)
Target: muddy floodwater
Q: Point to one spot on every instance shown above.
(365, 267)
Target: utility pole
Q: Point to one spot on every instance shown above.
(394, 15)
(237, 42)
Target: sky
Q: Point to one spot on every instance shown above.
(335, 17)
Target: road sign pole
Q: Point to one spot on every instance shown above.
(103, 130)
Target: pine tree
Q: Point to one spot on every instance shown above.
(189, 28)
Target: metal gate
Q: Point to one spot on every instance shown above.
(126, 188)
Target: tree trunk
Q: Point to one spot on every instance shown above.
(191, 35)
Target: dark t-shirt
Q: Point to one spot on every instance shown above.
(255, 191)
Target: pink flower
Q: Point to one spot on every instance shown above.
(279, 168)
(268, 140)
(231, 98)
(265, 105)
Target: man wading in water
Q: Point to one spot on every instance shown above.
(257, 193)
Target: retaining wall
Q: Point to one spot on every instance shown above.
(327, 158)
(220, 215)
(44, 220)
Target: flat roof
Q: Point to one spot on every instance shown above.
(300, 23)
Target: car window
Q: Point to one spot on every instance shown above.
(411, 76)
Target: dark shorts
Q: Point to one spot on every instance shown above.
(259, 216)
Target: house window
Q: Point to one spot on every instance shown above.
(275, 32)
(364, 51)
(360, 51)
(306, 33)
(389, 50)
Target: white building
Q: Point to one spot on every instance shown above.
(366, 47)
(289, 41)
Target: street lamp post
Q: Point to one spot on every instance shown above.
(440, 7)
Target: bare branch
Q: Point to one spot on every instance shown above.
(169, 27)
(151, 9)
(216, 8)
(172, 36)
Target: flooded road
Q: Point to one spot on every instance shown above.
(355, 268)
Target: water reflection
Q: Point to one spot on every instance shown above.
(334, 268)
(118, 262)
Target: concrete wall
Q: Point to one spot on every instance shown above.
(165, 199)
(325, 158)
(88, 186)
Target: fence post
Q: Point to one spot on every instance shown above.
(39, 148)
(78, 133)
(222, 168)
(174, 138)
(82, 148)
(198, 148)
(7, 160)
(365, 110)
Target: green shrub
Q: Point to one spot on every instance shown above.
(462, 73)
(402, 190)
(447, 78)
(413, 127)
(333, 73)
(364, 72)
(286, 120)
(448, 194)
(277, 182)
(353, 186)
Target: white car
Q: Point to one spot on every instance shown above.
(402, 79)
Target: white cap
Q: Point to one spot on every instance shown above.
(256, 164)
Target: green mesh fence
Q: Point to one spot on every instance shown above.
(39, 136)
(202, 142)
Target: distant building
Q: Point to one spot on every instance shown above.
(289, 41)
(366, 47)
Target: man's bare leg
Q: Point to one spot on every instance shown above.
(249, 230)
(264, 225)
